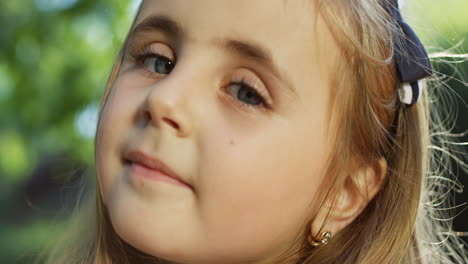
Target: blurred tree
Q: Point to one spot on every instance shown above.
(54, 60)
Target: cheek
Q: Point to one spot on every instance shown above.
(105, 166)
(259, 187)
(113, 126)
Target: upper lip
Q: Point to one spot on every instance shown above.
(153, 163)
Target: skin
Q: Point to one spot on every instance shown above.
(255, 170)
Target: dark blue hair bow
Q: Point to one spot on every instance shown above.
(412, 62)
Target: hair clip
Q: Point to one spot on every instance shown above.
(411, 60)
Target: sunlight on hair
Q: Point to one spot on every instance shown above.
(401, 3)
(133, 7)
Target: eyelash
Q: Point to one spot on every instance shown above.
(263, 105)
(139, 57)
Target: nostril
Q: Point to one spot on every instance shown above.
(143, 119)
(172, 123)
(146, 116)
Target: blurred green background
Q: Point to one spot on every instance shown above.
(55, 56)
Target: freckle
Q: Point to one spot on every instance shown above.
(231, 142)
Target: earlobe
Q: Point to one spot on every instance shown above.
(351, 197)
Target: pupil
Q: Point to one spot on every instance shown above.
(251, 97)
(163, 65)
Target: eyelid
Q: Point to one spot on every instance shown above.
(157, 48)
(139, 51)
(247, 76)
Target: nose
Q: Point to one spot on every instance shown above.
(166, 107)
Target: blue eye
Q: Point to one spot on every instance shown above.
(158, 64)
(245, 93)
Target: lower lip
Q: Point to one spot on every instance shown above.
(151, 174)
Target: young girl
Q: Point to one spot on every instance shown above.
(265, 131)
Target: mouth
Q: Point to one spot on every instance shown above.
(152, 168)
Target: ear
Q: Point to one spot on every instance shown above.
(352, 195)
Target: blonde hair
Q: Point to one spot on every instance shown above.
(400, 225)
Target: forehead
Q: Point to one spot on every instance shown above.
(240, 17)
(291, 30)
(245, 11)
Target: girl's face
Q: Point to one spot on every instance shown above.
(232, 96)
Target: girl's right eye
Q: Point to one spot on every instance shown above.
(157, 64)
(156, 58)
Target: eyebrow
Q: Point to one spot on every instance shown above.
(242, 48)
(158, 23)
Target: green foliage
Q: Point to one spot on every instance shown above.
(15, 161)
(443, 27)
(54, 60)
(53, 64)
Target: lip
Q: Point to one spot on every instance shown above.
(153, 168)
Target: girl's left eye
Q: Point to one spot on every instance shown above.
(246, 88)
(245, 93)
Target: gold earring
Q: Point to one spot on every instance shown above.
(322, 241)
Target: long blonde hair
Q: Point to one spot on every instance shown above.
(402, 224)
